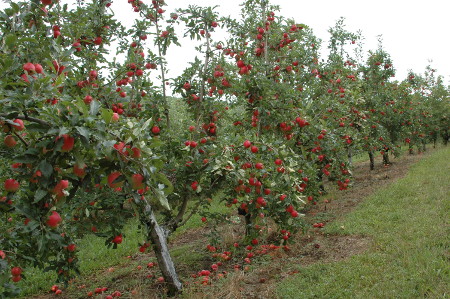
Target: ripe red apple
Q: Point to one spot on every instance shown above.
(156, 130)
(16, 278)
(98, 41)
(19, 125)
(11, 185)
(54, 219)
(93, 74)
(29, 67)
(115, 117)
(187, 85)
(137, 181)
(254, 149)
(259, 166)
(117, 239)
(136, 152)
(68, 143)
(112, 177)
(87, 99)
(71, 247)
(16, 271)
(79, 170)
(247, 144)
(60, 186)
(46, 2)
(38, 68)
(10, 141)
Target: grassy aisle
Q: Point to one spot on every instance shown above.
(410, 253)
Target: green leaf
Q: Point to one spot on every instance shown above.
(10, 40)
(84, 132)
(162, 199)
(40, 194)
(95, 107)
(38, 128)
(46, 168)
(168, 185)
(199, 189)
(106, 115)
(27, 158)
(29, 39)
(15, 7)
(146, 124)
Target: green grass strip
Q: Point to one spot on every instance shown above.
(409, 257)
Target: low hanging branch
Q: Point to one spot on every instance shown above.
(28, 118)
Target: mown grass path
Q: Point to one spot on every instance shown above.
(409, 256)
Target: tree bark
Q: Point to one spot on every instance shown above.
(158, 236)
(386, 158)
(372, 160)
(349, 155)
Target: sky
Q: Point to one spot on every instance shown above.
(414, 32)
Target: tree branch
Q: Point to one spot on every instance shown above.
(29, 118)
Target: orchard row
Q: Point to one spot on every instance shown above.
(261, 122)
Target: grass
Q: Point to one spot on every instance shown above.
(409, 257)
(95, 257)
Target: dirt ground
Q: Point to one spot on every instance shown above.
(310, 248)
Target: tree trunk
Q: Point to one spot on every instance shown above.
(386, 158)
(349, 155)
(372, 160)
(411, 149)
(424, 146)
(158, 237)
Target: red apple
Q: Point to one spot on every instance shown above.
(93, 74)
(16, 271)
(117, 239)
(87, 99)
(98, 41)
(29, 67)
(112, 177)
(79, 170)
(68, 143)
(38, 68)
(136, 153)
(54, 219)
(10, 141)
(11, 185)
(16, 278)
(137, 181)
(156, 130)
(19, 125)
(247, 144)
(115, 117)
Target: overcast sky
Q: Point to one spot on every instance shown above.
(414, 31)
